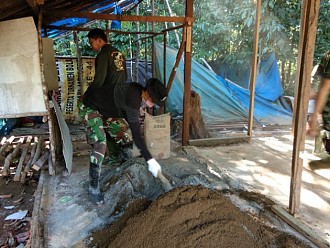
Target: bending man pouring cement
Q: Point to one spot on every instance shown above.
(110, 98)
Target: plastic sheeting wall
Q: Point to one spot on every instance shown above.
(221, 101)
(217, 104)
(21, 91)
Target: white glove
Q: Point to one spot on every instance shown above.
(154, 167)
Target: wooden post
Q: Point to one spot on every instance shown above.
(254, 68)
(44, 87)
(187, 74)
(308, 25)
(20, 164)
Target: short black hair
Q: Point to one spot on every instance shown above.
(97, 33)
(157, 91)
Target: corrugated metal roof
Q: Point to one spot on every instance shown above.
(13, 9)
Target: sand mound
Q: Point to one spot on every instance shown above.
(191, 216)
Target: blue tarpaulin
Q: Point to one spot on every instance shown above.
(268, 81)
(221, 100)
(101, 7)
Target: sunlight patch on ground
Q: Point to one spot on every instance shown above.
(210, 169)
(262, 161)
(276, 144)
(311, 199)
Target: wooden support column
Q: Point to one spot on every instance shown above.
(187, 74)
(45, 91)
(308, 24)
(254, 68)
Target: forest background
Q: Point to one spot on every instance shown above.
(223, 33)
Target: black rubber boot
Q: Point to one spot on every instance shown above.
(94, 184)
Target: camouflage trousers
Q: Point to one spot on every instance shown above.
(99, 132)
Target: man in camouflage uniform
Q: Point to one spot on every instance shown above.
(110, 69)
(322, 104)
(108, 103)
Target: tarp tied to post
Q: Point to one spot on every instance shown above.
(221, 100)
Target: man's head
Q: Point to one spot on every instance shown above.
(156, 91)
(97, 39)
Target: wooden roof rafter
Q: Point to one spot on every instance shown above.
(97, 16)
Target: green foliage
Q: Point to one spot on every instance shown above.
(222, 31)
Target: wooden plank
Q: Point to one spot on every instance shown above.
(66, 137)
(41, 161)
(28, 164)
(38, 150)
(132, 18)
(6, 166)
(219, 141)
(38, 216)
(300, 227)
(20, 164)
(3, 141)
(8, 142)
(51, 168)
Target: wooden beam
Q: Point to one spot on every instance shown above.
(106, 31)
(97, 16)
(300, 227)
(308, 25)
(219, 141)
(175, 67)
(33, 5)
(18, 9)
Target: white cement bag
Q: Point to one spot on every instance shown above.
(157, 135)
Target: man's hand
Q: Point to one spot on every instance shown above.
(154, 167)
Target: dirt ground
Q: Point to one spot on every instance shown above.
(222, 197)
(15, 197)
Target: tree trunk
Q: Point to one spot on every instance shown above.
(197, 126)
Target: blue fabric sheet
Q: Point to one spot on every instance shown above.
(221, 100)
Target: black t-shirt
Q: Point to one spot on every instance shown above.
(110, 69)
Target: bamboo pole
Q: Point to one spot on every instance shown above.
(254, 68)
